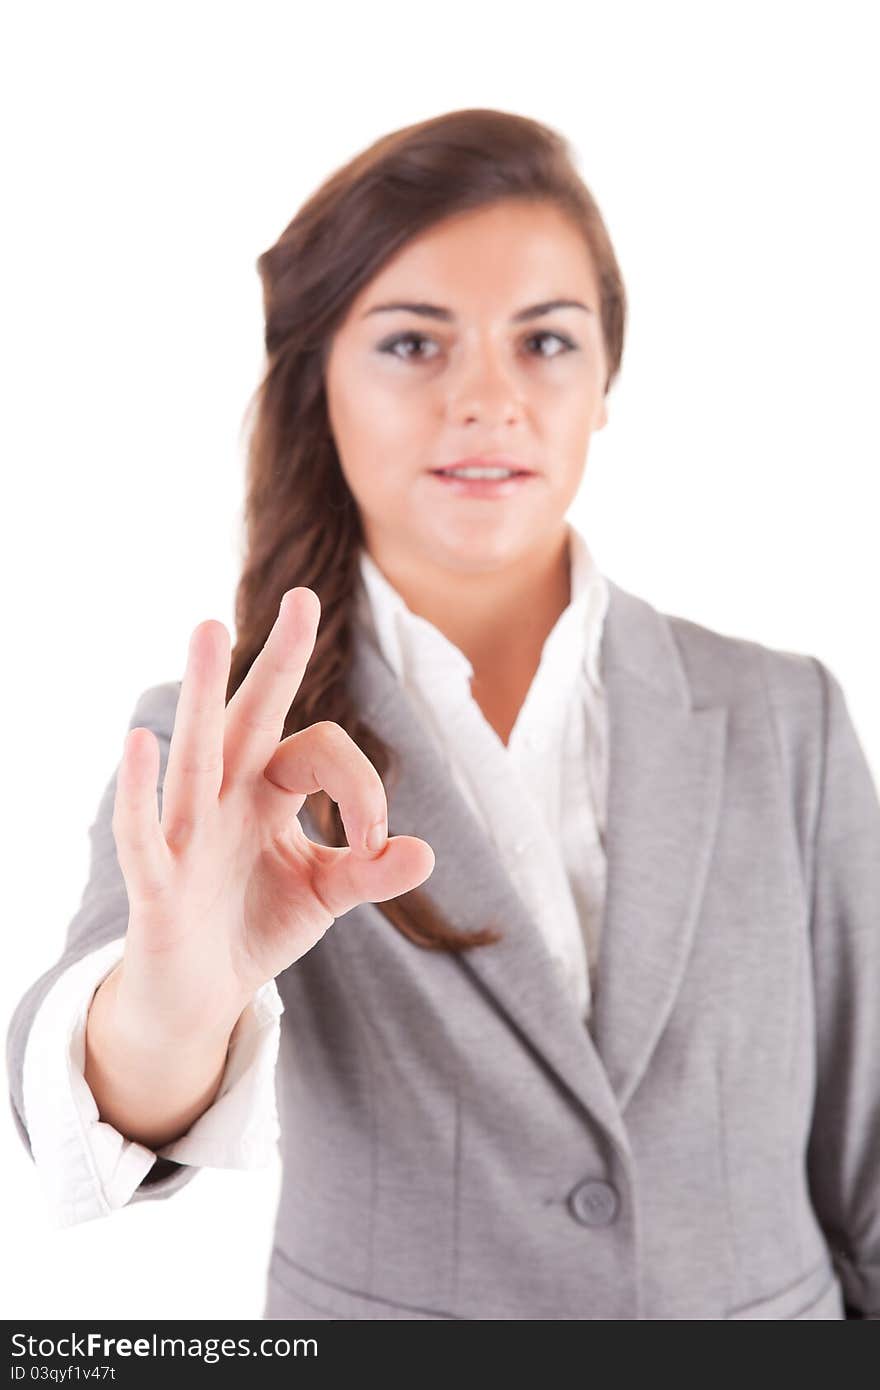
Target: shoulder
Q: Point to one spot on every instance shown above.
(719, 667)
(762, 686)
(727, 667)
(777, 699)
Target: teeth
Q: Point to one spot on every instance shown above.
(477, 472)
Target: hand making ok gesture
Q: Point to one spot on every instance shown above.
(226, 890)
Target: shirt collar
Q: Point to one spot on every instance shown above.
(419, 653)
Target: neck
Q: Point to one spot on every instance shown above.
(498, 618)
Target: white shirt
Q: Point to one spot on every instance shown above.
(542, 799)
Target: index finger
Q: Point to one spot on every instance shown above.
(256, 713)
(194, 771)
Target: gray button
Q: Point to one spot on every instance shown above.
(594, 1203)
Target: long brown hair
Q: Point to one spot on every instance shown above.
(302, 525)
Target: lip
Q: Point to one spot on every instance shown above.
(491, 488)
(488, 461)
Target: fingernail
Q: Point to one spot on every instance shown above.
(376, 836)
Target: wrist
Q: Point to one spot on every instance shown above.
(145, 1031)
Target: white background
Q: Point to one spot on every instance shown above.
(152, 152)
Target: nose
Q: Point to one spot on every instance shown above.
(483, 388)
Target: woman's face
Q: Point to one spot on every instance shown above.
(477, 365)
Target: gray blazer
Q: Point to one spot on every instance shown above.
(456, 1143)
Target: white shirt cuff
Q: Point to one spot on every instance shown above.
(87, 1168)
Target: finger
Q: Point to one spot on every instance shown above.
(256, 713)
(194, 773)
(140, 844)
(323, 757)
(344, 881)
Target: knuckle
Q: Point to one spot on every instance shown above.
(201, 767)
(133, 854)
(259, 723)
(152, 892)
(330, 733)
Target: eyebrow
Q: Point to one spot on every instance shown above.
(434, 311)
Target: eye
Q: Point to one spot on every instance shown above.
(567, 344)
(412, 339)
(391, 344)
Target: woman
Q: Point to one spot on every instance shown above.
(595, 1031)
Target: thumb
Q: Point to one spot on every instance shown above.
(352, 878)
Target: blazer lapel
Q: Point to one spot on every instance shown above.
(665, 780)
(664, 786)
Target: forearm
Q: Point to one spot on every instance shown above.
(150, 1090)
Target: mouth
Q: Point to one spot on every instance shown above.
(482, 480)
